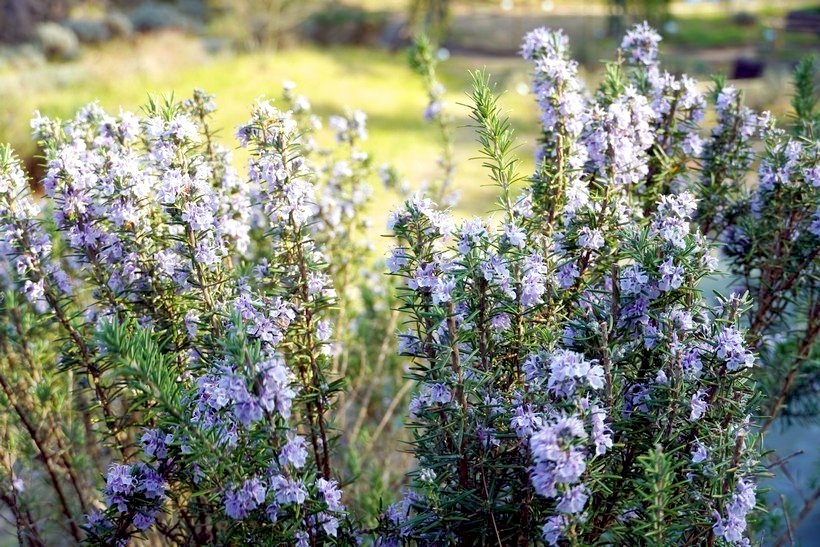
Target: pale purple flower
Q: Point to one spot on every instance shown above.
(274, 386)
(318, 282)
(698, 405)
(199, 216)
(641, 44)
(324, 330)
(442, 290)
(234, 506)
(331, 494)
(743, 501)
(699, 453)
(732, 348)
(500, 322)
(247, 411)
(671, 275)
(272, 511)
(183, 128)
(289, 490)
(470, 234)
(433, 110)
(814, 228)
(120, 480)
(494, 269)
(558, 458)
(568, 369)
(439, 393)
(601, 433)
(396, 259)
(691, 362)
(693, 145)
(637, 399)
(525, 421)
(143, 521)
(155, 443)
(553, 529)
(577, 197)
(533, 282)
(409, 343)
(633, 280)
(34, 291)
(330, 524)
(652, 336)
(151, 484)
(544, 42)
(192, 323)
(618, 137)
(423, 278)
(97, 519)
(812, 176)
(574, 500)
(559, 95)
(515, 235)
(670, 220)
(294, 452)
(590, 238)
(681, 319)
(567, 274)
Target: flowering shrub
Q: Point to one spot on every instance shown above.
(195, 304)
(175, 335)
(573, 385)
(769, 235)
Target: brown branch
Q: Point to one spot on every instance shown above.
(801, 516)
(786, 387)
(46, 457)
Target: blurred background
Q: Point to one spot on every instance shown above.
(56, 55)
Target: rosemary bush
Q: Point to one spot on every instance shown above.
(191, 309)
(176, 335)
(568, 369)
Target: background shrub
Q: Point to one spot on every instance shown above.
(58, 42)
(150, 16)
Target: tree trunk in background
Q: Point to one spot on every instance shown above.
(18, 18)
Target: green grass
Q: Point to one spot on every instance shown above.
(380, 83)
(718, 31)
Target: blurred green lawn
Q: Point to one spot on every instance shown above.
(123, 74)
(378, 82)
